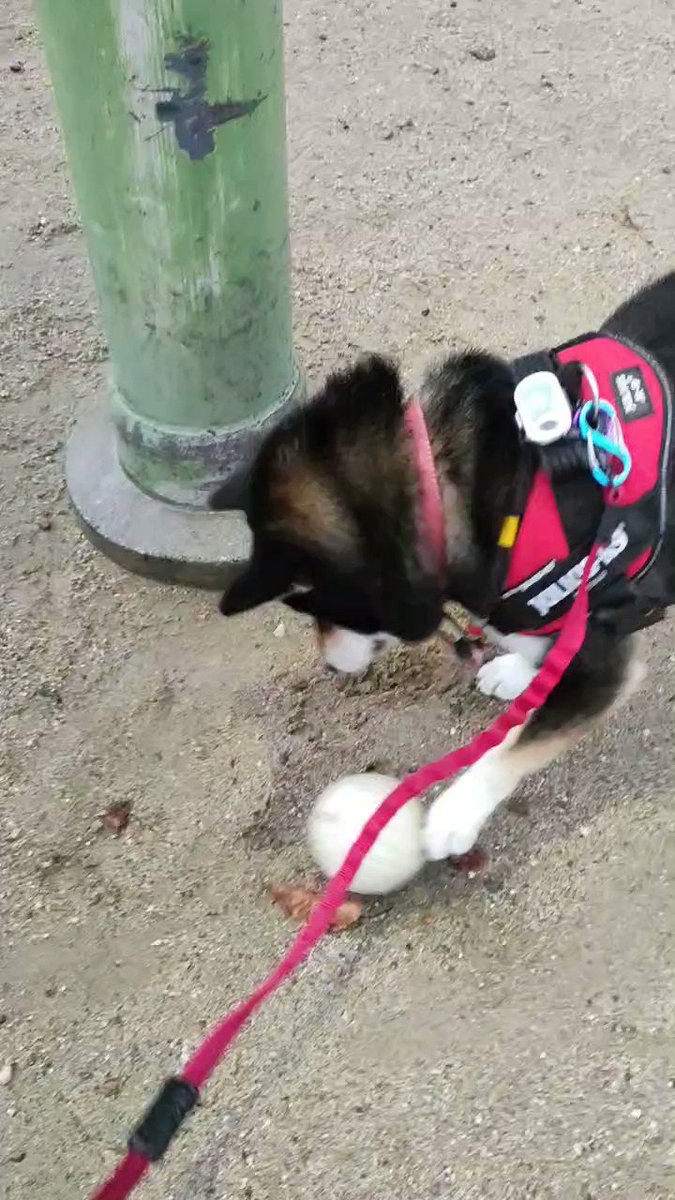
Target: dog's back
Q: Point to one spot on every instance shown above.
(648, 320)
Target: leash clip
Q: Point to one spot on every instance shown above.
(163, 1118)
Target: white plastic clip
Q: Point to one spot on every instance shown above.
(544, 412)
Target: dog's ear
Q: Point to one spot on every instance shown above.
(234, 492)
(264, 578)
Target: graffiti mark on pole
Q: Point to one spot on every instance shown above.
(193, 118)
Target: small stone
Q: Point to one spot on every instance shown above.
(493, 884)
(45, 522)
(17, 67)
(111, 1087)
(6, 1074)
(280, 630)
(519, 805)
(483, 53)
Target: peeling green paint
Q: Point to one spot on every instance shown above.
(190, 253)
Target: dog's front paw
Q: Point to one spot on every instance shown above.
(452, 825)
(505, 677)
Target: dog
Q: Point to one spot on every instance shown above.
(335, 506)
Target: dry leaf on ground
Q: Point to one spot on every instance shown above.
(298, 902)
(475, 859)
(116, 818)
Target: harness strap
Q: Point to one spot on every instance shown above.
(510, 527)
(562, 461)
(529, 364)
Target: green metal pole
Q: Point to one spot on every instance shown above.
(173, 117)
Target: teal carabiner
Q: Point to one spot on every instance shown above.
(596, 441)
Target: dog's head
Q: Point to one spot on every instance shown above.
(331, 503)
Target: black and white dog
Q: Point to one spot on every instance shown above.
(333, 505)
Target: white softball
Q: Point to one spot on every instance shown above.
(337, 819)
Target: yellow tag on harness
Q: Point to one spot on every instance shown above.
(509, 532)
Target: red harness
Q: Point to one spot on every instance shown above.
(544, 569)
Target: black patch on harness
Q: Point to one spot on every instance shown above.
(631, 392)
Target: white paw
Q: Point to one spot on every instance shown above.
(452, 824)
(505, 677)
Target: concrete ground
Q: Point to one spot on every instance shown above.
(460, 172)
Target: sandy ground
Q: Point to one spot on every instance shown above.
(460, 171)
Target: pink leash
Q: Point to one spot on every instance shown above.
(179, 1095)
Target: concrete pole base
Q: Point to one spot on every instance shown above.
(140, 533)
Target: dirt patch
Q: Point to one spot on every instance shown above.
(322, 729)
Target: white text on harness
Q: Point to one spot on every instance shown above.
(568, 583)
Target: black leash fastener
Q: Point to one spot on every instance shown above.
(162, 1120)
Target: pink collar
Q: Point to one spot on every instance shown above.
(429, 489)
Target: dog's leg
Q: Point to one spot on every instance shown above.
(509, 674)
(456, 818)
(593, 682)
